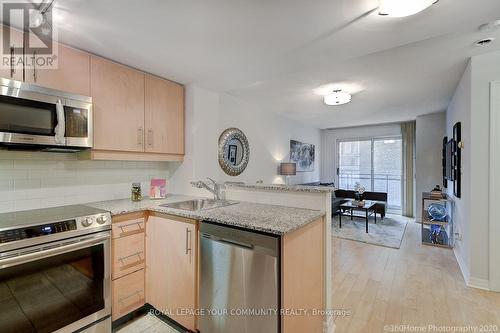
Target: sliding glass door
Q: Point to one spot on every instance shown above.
(375, 163)
(355, 164)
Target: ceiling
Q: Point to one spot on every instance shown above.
(275, 54)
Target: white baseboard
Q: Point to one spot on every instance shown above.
(479, 283)
(463, 266)
(469, 280)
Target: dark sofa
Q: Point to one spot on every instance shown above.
(342, 196)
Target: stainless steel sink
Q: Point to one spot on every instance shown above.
(199, 204)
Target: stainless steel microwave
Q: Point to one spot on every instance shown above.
(34, 117)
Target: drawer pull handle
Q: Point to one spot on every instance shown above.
(131, 232)
(138, 254)
(135, 293)
(139, 224)
(132, 265)
(139, 261)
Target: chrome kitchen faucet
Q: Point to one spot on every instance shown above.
(215, 189)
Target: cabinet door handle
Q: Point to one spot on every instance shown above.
(150, 137)
(140, 136)
(188, 241)
(34, 66)
(12, 70)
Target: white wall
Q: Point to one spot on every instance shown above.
(209, 113)
(471, 106)
(460, 110)
(430, 130)
(485, 69)
(494, 233)
(329, 139)
(31, 180)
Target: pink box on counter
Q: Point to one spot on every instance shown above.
(158, 189)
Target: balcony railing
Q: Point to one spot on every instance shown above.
(388, 183)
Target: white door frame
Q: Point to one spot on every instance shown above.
(494, 220)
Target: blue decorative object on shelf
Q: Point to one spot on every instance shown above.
(436, 237)
(437, 212)
(435, 228)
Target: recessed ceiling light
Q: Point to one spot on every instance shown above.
(402, 8)
(484, 41)
(337, 97)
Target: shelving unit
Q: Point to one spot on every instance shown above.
(445, 236)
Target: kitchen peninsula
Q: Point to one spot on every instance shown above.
(157, 259)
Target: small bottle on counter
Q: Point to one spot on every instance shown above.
(136, 192)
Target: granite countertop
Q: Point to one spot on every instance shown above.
(278, 220)
(281, 187)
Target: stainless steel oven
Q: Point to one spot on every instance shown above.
(61, 282)
(41, 118)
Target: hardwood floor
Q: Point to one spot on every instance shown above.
(416, 285)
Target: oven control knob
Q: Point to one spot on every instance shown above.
(87, 222)
(102, 219)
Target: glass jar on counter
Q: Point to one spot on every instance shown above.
(136, 192)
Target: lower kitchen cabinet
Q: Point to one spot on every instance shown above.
(127, 264)
(128, 294)
(171, 267)
(303, 277)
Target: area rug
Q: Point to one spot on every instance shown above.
(387, 232)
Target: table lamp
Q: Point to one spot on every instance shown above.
(288, 169)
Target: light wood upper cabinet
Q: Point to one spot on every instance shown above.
(118, 100)
(14, 71)
(72, 73)
(164, 116)
(171, 267)
(136, 116)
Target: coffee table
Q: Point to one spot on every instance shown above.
(368, 207)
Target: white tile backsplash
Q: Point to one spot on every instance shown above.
(31, 180)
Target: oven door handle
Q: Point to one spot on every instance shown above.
(78, 244)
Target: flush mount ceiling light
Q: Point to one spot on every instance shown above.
(337, 97)
(38, 17)
(402, 8)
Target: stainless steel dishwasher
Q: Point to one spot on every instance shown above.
(239, 289)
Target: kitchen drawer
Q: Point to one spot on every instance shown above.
(128, 254)
(128, 294)
(128, 228)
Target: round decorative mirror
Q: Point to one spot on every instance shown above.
(234, 151)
